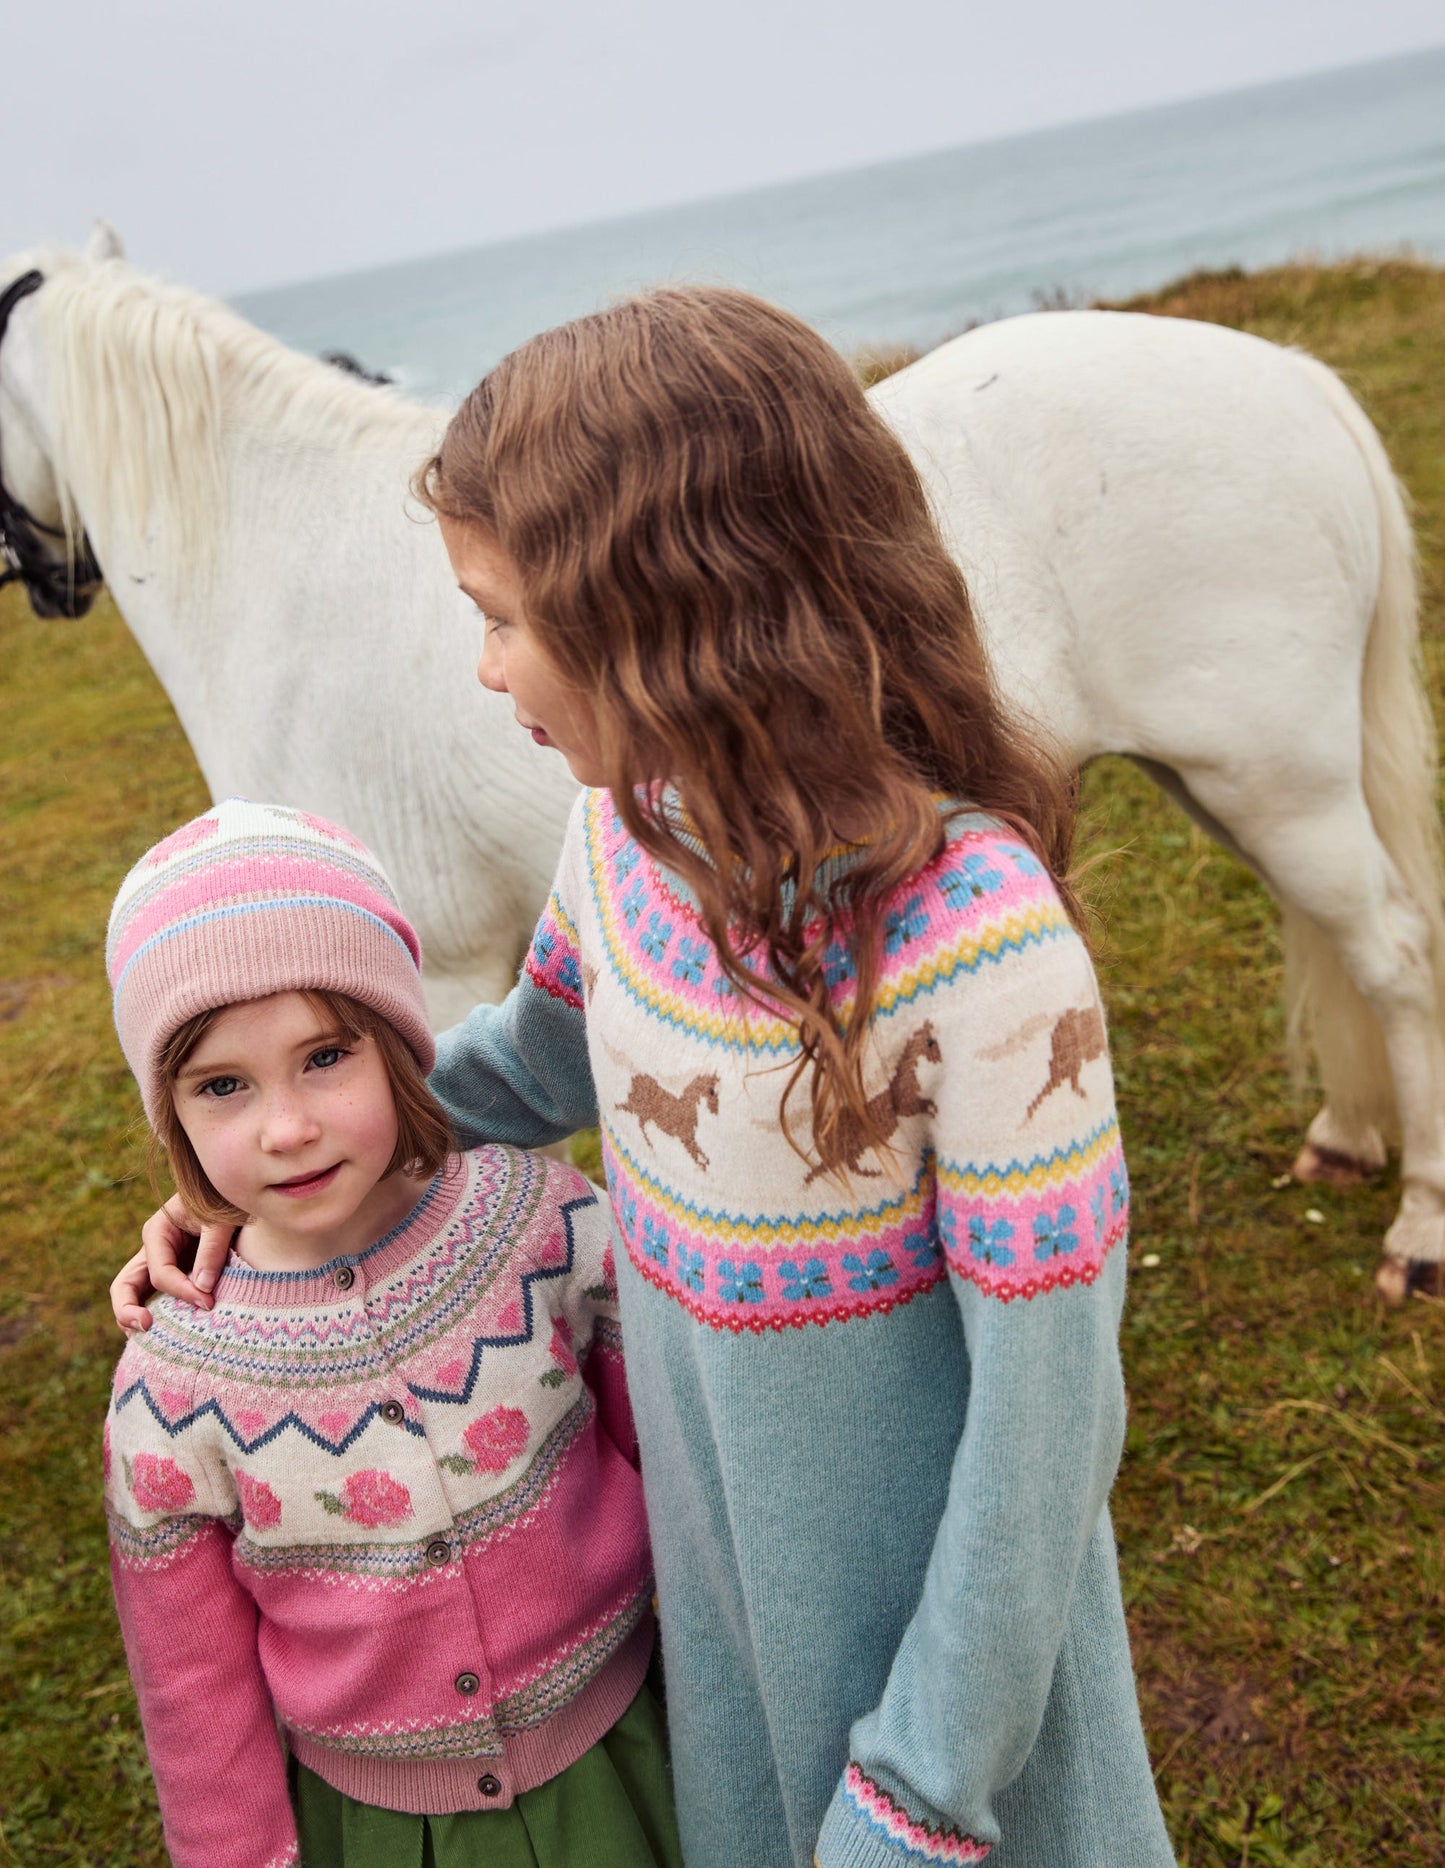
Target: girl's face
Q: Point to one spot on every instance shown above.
(294, 1124)
(513, 659)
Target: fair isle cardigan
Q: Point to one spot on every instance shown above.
(880, 1410)
(392, 1504)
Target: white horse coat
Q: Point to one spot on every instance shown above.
(1184, 545)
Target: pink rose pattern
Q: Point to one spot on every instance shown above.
(260, 1506)
(375, 1498)
(496, 1438)
(159, 1484)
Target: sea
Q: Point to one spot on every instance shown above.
(906, 253)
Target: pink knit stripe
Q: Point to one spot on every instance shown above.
(920, 1839)
(249, 881)
(229, 960)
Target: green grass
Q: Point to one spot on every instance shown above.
(1280, 1503)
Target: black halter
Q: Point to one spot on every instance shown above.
(56, 586)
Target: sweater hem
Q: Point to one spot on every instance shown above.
(445, 1786)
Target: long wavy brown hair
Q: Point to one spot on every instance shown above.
(732, 557)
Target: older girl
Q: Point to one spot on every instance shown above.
(812, 964)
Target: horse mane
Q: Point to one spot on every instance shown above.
(144, 378)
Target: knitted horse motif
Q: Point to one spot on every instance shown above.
(902, 1098)
(1078, 1037)
(674, 1115)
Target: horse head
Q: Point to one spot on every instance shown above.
(39, 545)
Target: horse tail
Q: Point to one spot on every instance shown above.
(1326, 1012)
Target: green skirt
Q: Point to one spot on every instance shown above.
(611, 1809)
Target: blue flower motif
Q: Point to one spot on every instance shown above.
(654, 1239)
(989, 1244)
(974, 876)
(740, 1284)
(653, 940)
(837, 966)
(633, 902)
(723, 987)
(569, 973)
(542, 948)
(624, 862)
(923, 1248)
(627, 1213)
(1026, 864)
(1053, 1236)
(811, 1281)
(1097, 1201)
(1119, 1187)
(904, 924)
(691, 956)
(870, 1274)
(689, 1267)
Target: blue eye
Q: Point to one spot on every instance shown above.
(221, 1086)
(328, 1057)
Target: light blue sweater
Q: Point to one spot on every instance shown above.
(878, 1428)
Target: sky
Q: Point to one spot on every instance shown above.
(241, 146)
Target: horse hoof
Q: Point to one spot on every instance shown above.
(1313, 1163)
(1392, 1281)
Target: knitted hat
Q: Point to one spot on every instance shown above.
(248, 900)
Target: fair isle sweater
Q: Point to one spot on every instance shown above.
(878, 1426)
(396, 1500)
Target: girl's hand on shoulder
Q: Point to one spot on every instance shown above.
(179, 1257)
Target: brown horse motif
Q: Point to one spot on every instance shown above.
(674, 1115)
(1077, 1038)
(901, 1098)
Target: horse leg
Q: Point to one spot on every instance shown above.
(1344, 1144)
(1328, 865)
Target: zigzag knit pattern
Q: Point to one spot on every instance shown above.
(390, 1461)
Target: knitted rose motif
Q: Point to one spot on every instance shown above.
(497, 1438)
(158, 1484)
(260, 1506)
(371, 1498)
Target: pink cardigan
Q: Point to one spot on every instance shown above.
(393, 1505)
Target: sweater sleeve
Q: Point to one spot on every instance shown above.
(190, 1633)
(519, 1072)
(1031, 1210)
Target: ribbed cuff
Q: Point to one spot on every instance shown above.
(865, 1828)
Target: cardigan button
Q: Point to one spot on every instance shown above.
(393, 1411)
(438, 1551)
(467, 1683)
(343, 1277)
(489, 1786)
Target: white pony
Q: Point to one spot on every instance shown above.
(1185, 545)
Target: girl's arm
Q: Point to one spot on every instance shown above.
(190, 1639)
(1032, 1213)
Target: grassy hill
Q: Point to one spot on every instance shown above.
(1279, 1508)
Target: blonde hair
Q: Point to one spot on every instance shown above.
(730, 554)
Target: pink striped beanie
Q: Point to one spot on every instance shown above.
(247, 900)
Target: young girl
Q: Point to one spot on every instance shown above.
(812, 964)
(383, 1493)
